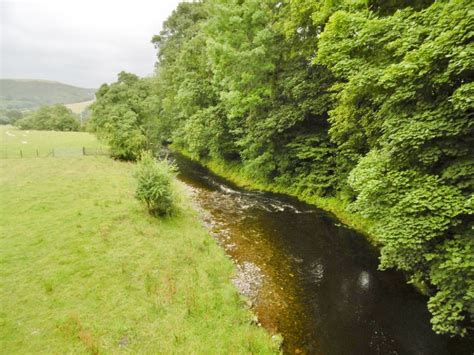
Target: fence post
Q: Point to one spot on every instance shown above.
(37, 153)
(21, 154)
(83, 150)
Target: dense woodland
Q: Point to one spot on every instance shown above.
(367, 101)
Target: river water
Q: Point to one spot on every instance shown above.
(319, 286)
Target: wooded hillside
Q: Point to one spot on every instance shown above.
(28, 94)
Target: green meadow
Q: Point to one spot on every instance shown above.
(85, 269)
(32, 143)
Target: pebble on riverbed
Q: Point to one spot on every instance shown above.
(248, 280)
(249, 277)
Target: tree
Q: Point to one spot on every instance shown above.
(10, 116)
(54, 118)
(123, 115)
(402, 112)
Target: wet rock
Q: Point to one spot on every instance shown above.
(231, 246)
(249, 277)
(248, 280)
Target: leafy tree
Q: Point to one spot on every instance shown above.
(402, 112)
(54, 118)
(10, 116)
(123, 115)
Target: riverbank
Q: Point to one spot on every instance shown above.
(86, 269)
(237, 175)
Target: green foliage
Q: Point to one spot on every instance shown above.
(123, 115)
(50, 118)
(452, 271)
(154, 184)
(404, 110)
(9, 116)
(363, 101)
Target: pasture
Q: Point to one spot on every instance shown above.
(85, 269)
(15, 143)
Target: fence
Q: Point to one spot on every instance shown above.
(55, 152)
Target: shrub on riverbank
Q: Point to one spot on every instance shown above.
(154, 184)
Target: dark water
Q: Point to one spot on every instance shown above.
(321, 288)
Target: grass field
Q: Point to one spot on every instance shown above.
(79, 107)
(85, 269)
(15, 143)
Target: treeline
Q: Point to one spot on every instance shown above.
(9, 116)
(368, 101)
(51, 118)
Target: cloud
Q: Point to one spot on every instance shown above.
(79, 42)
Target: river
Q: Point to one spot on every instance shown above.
(317, 282)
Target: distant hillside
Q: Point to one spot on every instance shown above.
(28, 94)
(79, 107)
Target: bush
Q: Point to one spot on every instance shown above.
(155, 184)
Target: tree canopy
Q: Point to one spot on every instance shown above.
(123, 115)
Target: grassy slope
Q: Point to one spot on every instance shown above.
(85, 269)
(27, 94)
(78, 107)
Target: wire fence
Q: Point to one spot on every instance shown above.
(55, 152)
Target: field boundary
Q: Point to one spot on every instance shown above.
(55, 152)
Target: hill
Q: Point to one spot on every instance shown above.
(28, 94)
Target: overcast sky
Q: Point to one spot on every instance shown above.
(79, 42)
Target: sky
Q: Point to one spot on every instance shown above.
(79, 42)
